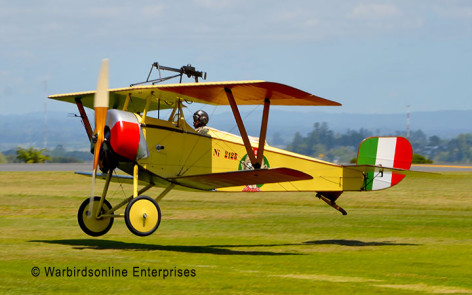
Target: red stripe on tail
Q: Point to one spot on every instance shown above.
(402, 160)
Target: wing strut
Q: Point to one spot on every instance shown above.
(256, 162)
(242, 129)
(84, 117)
(262, 136)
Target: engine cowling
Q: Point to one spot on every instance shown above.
(126, 138)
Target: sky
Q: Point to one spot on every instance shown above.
(372, 56)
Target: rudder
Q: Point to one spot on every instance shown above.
(390, 152)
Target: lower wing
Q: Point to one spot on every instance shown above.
(223, 179)
(239, 178)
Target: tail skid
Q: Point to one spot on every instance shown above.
(382, 162)
(331, 203)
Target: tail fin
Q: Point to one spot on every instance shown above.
(390, 152)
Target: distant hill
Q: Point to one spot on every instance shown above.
(445, 124)
(28, 129)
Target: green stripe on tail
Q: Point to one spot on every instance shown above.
(367, 156)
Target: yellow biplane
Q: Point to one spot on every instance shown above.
(171, 154)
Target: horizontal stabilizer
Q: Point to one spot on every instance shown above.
(376, 177)
(239, 178)
(378, 168)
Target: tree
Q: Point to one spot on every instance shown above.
(319, 151)
(343, 154)
(3, 159)
(31, 155)
(418, 140)
(277, 140)
(58, 151)
(298, 144)
(460, 149)
(434, 141)
(353, 138)
(419, 159)
(322, 142)
(320, 135)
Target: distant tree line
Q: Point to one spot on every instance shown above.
(33, 155)
(325, 144)
(321, 143)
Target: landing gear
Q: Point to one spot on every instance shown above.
(330, 199)
(88, 220)
(142, 213)
(142, 216)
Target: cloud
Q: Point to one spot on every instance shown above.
(153, 10)
(455, 12)
(213, 3)
(312, 22)
(105, 23)
(375, 11)
(50, 38)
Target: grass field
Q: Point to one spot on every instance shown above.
(415, 238)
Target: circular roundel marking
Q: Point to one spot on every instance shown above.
(245, 164)
(88, 221)
(142, 216)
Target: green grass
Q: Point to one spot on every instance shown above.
(415, 238)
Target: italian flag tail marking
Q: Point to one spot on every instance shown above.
(390, 152)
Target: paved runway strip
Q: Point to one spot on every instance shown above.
(15, 167)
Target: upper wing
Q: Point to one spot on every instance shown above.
(165, 95)
(138, 97)
(247, 93)
(238, 178)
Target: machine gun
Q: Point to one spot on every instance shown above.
(187, 70)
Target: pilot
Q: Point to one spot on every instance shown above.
(200, 120)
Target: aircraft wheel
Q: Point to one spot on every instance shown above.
(142, 216)
(89, 223)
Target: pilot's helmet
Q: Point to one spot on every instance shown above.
(200, 118)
